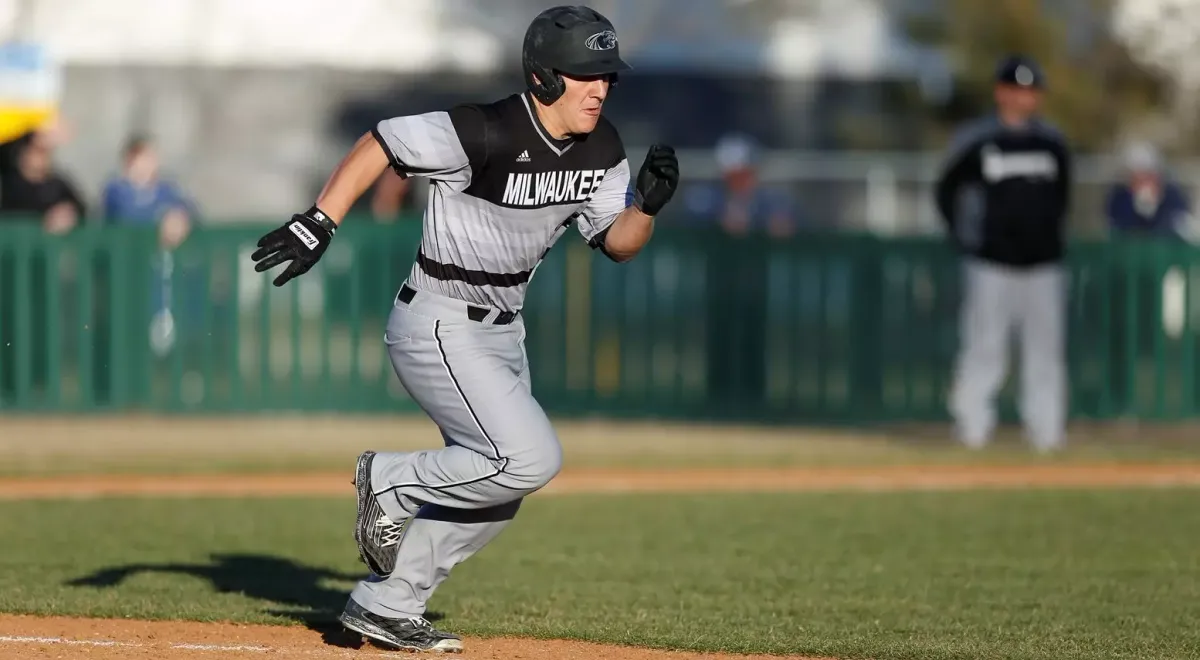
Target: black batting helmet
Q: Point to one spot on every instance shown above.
(572, 40)
(1021, 71)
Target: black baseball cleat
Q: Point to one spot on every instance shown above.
(415, 634)
(375, 534)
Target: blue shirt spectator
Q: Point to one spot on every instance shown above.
(1148, 202)
(758, 210)
(125, 202)
(738, 203)
(138, 196)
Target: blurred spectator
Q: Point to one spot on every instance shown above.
(31, 190)
(30, 185)
(1148, 202)
(737, 283)
(739, 204)
(140, 197)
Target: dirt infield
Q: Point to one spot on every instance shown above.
(29, 638)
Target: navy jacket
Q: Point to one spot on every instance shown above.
(1004, 192)
(1166, 219)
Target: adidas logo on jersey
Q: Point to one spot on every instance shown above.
(551, 187)
(524, 157)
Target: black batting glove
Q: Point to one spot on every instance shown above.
(302, 241)
(657, 180)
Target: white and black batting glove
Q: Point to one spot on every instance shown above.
(657, 180)
(302, 240)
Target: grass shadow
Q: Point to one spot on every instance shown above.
(294, 590)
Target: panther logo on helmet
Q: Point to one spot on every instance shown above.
(606, 40)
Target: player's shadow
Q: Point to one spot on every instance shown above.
(293, 590)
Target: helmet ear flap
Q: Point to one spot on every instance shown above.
(548, 86)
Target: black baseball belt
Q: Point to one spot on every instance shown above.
(474, 312)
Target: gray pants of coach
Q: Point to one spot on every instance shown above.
(472, 379)
(996, 301)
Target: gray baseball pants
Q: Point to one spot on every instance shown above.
(472, 379)
(997, 300)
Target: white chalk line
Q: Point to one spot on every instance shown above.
(58, 640)
(222, 648)
(218, 647)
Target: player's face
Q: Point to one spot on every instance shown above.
(579, 107)
(1024, 101)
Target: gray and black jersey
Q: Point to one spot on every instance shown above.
(1004, 192)
(502, 192)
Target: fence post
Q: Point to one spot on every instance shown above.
(866, 359)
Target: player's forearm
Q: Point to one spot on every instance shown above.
(352, 177)
(628, 234)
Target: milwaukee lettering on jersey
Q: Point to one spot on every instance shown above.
(542, 188)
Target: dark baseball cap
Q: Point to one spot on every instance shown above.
(1021, 71)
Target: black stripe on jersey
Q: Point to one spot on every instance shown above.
(441, 271)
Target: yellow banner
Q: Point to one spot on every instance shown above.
(16, 121)
(30, 87)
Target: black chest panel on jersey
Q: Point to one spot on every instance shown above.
(1008, 193)
(515, 164)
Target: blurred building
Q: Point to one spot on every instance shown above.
(252, 101)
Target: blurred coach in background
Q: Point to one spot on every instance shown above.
(1003, 193)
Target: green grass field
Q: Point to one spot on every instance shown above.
(1037, 574)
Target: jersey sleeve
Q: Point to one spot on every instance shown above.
(608, 200)
(438, 145)
(1066, 177)
(954, 171)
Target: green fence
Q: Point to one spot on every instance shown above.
(823, 328)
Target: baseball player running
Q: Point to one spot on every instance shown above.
(1004, 193)
(507, 180)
